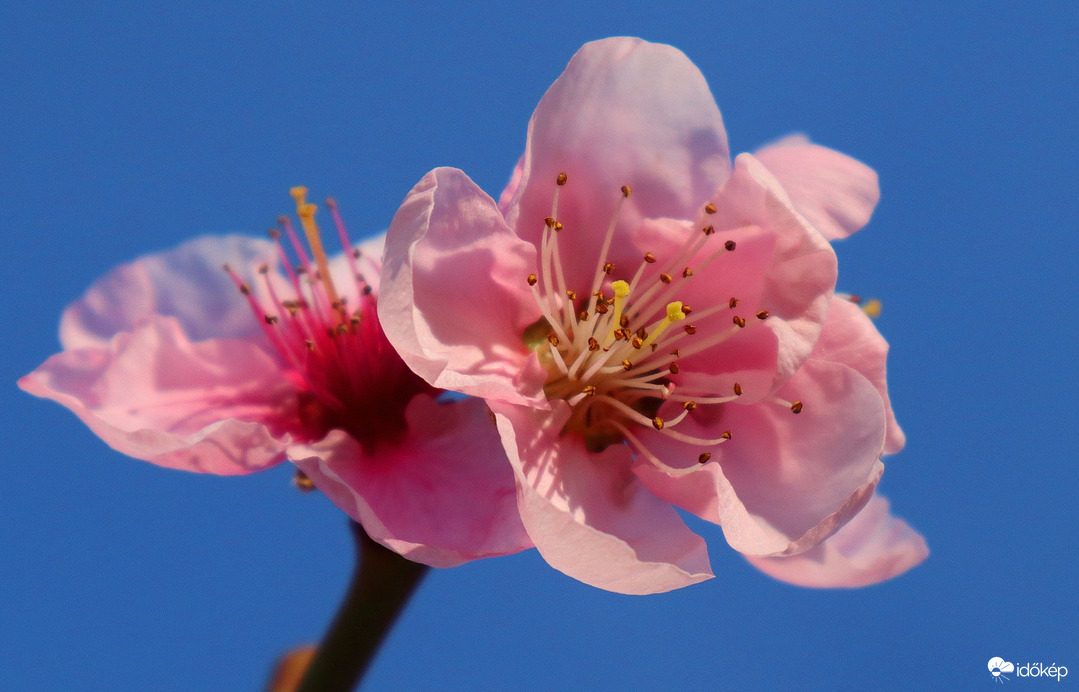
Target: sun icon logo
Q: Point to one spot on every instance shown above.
(998, 667)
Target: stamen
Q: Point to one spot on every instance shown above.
(652, 458)
(795, 406)
(597, 279)
(342, 236)
(306, 212)
(621, 291)
(872, 307)
(302, 482)
(674, 314)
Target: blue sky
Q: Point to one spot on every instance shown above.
(128, 130)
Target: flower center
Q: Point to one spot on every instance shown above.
(612, 353)
(347, 375)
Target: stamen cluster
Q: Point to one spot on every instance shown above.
(612, 354)
(350, 378)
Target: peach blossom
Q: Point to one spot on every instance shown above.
(652, 325)
(167, 361)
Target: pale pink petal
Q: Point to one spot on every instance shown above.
(851, 338)
(589, 517)
(442, 496)
(455, 298)
(873, 547)
(624, 112)
(834, 192)
(779, 264)
(799, 284)
(186, 283)
(784, 482)
(217, 406)
(747, 356)
(511, 187)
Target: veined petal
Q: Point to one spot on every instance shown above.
(798, 285)
(834, 192)
(587, 514)
(185, 283)
(749, 357)
(873, 547)
(783, 482)
(850, 337)
(454, 300)
(216, 406)
(624, 112)
(443, 496)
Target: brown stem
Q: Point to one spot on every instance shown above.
(380, 588)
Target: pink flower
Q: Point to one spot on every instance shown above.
(165, 361)
(653, 327)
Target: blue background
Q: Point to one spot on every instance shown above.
(126, 131)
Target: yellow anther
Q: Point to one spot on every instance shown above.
(674, 313)
(872, 308)
(621, 291)
(306, 212)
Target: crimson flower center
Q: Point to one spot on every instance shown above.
(346, 374)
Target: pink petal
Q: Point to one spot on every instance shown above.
(443, 496)
(186, 283)
(779, 264)
(511, 187)
(749, 356)
(455, 299)
(873, 547)
(834, 192)
(588, 515)
(798, 285)
(784, 482)
(216, 406)
(624, 112)
(851, 338)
